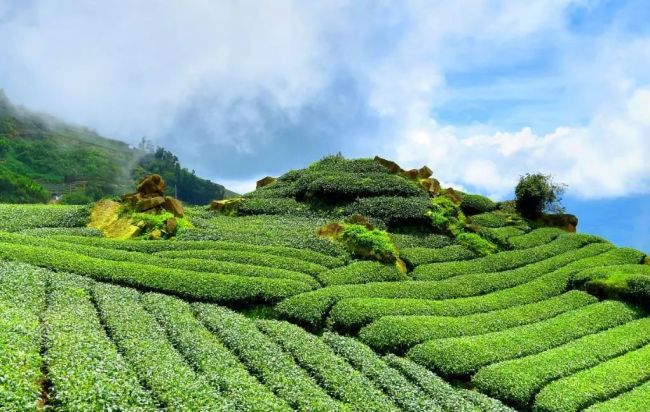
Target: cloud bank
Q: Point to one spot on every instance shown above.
(481, 91)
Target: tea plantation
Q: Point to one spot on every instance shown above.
(253, 310)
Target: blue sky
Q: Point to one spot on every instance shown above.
(481, 91)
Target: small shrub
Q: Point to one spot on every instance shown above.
(474, 204)
(368, 243)
(477, 244)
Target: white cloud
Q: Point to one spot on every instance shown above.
(608, 157)
(137, 68)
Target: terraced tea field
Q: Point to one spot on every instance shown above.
(258, 313)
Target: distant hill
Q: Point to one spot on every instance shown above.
(42, 157)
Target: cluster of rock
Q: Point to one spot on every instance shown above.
(422, 175)
(117, 220)
(150, 198)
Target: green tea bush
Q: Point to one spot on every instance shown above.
(264, 358)
(517, 381)
(197, 285)
(264, 230)
(599, 383)
(446, 217)
(199, 265)
(503, 261)
(332, 372)
(465, 355)
(535, 238)
(475, 204)
(249, 258)
(629, 282)
(368, 243)
(407, 395)
(79, 351)
(399, 333)
(342, 186)
(416, 256)
(392, 210)
(20, 359)
(311, 307)
(362, 272)
(144, 344)
(273, 206)
(477, 244)
(423, 240)
(153, 247)
(207, 355)
(448, 397)
(22, 300)
(634, 400)
(497, 220)
(62, 231)
(500, 235)
(20, 217)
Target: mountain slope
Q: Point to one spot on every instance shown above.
(41, 156)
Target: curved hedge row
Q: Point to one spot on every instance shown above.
(84, 366)
(416, 256)
(331, 371)
(518, 380)
(394, 211)
(507, 260)
(429, 240)
(399, 333)
(207, 355)
(22, 300)
(635, 400)
(199, 265)
(19, 217)
(448, 397)
(499, 235)
(497, 219)
(198, 285)
(153, 247)
(144, 344)
(599, 383)
(404, 393)
(354, 312)
(311, 307)
(251, 258)
(362, 272)
(286, 231)
(463, 356)
(535, 238)
(265, 359)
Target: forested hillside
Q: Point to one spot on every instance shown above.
(42, 157)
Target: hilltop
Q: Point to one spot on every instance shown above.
(349, 285)
(41, 156)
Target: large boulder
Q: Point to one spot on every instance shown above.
(149, 203)
(152, 184)
(389, 164)
(265, 182)
(431, 185)
(228, 207)
(424, 172)
(174, 206)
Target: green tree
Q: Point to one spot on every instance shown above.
(537, 193)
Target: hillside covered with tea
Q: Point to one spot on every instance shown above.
(351, 284)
